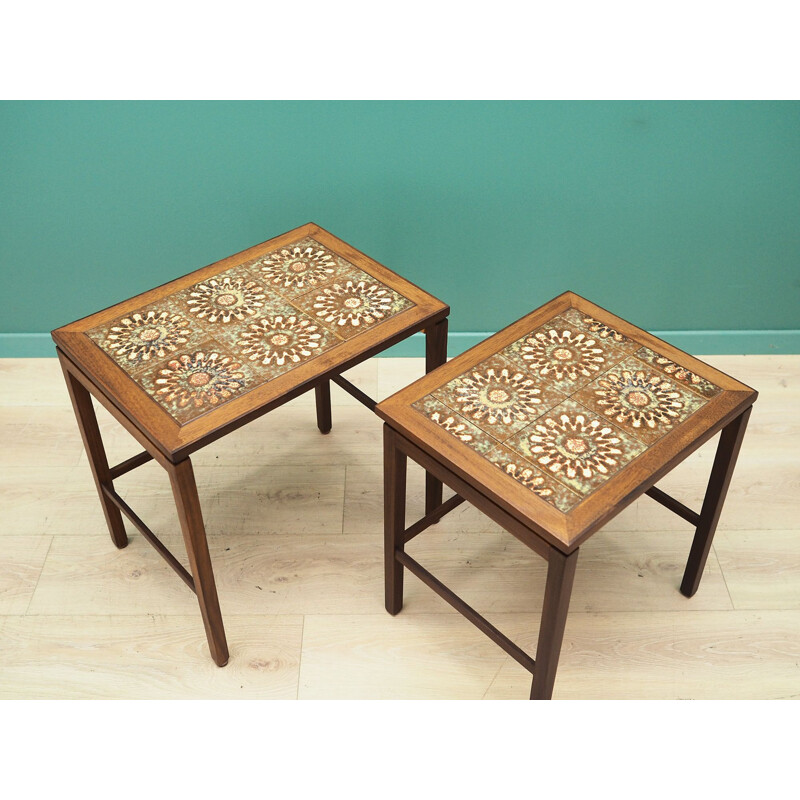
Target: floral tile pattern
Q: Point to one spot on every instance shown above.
(576, 446)
(350, 306)
(139, 339)
(678, 373)
(567, 406)
(203, 346)
(197, 381)
(563, 355)
(225, 299)
(499, 397)
(298, 268)
(455, 424)
(534, 478)
(640, 400)
(600, 330)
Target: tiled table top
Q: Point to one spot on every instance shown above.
(296, 304)
(560, 404)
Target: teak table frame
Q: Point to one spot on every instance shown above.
(89, 373)
(555, 537)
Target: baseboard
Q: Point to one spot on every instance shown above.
(40, 345)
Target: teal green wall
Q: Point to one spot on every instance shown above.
(681, 216)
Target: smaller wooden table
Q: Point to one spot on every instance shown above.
(184, 364)
(551, 427)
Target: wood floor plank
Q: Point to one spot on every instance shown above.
(662, 655)
(146, 657)
(49, 500)
(85, 575)
(308, 573)
(762, 568)
(411, 656)
(718, 655)
(295, 522)
(32, 382)
(20, 568)
(38, 436)
(246, 498)
(288, 436)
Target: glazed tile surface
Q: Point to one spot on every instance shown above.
(563, 355)
(640, 400)
(539, 481)
(678, 373)
(200, 347)
(567, 406)
(499, 397)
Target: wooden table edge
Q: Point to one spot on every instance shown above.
(566, 531)
(181, 441)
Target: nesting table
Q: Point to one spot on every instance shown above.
(188, 362)
(551, 427)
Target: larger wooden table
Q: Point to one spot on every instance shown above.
(190, 361)
(551, 427)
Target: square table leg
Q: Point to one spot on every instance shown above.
(96, 453)
(435, 356)
(323, 396)
(557, 593)
(184, 489)
(394, 496)
(730, 443)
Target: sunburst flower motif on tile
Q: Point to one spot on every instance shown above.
(139, 337)
(681, 375)
(199, 379)
(222, 300)
(498, 396)
(575, 446)
(529, 478)
(458, 429)
(280, 339)
(561, 354)
(604, 331)
(678, 372)
(639, 399)
(298, 266)
(353, 304)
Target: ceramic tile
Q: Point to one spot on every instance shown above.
(298, 268)
(499, 397)
(562, 356)
(353, 305)
(569, 401)
(139, 340)
(678, 373)
(277, 339)
(455, 424)
(197, 381)
(225, 299)
(640, 400)
(540, 482)
(577, 446)
(600, 330)
(246, 325)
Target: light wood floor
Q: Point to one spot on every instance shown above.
(295, 529)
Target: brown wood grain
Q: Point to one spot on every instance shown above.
(569, 530)
(179, 441)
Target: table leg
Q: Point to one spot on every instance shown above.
(435, 356)
(323, 393)
(394, 524)
(96, 453)
(730, 442)
(557, 592)
(184, 489)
